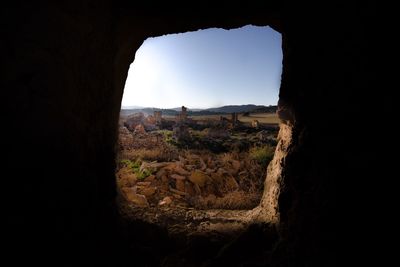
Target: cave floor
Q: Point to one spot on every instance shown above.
(178, 220)
(184, 236)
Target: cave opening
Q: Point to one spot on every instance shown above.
(198, 127)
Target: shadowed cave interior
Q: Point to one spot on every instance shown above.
(66, 65)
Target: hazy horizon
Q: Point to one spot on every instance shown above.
(190, 108)
(206, 69)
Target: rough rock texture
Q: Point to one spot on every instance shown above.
(64, 65)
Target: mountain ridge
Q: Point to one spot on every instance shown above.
(209, 111)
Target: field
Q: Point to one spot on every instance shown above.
(264, 118)
(267, 118)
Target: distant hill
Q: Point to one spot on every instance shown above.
(132, 107)
(235, 108)
(210, 111)
(147, 111)
(269, 109)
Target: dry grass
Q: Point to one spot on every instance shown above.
(149, 154)
(267, 118)
(210, 117)
(229, 157)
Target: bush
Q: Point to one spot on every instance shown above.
(135, 166)
(263, 155)
(131, 164)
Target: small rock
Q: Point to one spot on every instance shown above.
(177, 196)
(124, 171)
(197, 189)
(217, 177)
(177, 192)
(211, 199)
(143, 183)
(150, 178)
(180, 185)
(148, 191)
(199, 178)
(209, 171)
(177, 177)
(203, 166)
(127, 180)
(182, 159)
(189, 189)
(190, 167)
(231, 183)
(161, 173)
(178, 169)
(222, 172)
(164, 179)
(137, 199)
(236, 165)
(170, 167)
(165, 201)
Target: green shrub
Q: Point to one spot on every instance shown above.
(263, 155)
(135, 166)
(143, 174)
(168, 136)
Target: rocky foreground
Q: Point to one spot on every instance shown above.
(191, 181)
(164, 181)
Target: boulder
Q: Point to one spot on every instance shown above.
(139, 129)
(230, 183)
(180, 185)
(137, 199)
(209, 171)
(165, 201)
(150, 178)
(148, 191)
(143, 183)
(177, 177)
(127, 180)
(178, 169)
(182, 160)
(123, 171)
(153, 165)
(177, 191)
(161, 173)
(199, 178)
(203, 166)
(235, 165)
(189, 189)
(217, 178)
(224, 180)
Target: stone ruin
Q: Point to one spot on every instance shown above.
(234, 119)
(139, 123)
(230, 123)
(255, 124)
(158, 117)
(182, 116)
(181, 133)
(134, 120)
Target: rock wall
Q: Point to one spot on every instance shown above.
(64, 66)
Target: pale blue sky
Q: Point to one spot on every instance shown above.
(206, 68)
